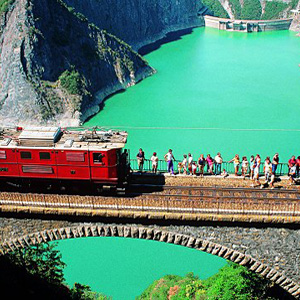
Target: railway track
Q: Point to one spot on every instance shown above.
(219, 201)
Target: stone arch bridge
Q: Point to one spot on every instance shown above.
(272, 252)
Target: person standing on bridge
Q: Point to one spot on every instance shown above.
(236, 164)
(154, 160)
(184, 164)
(292, 162)
(267, 169)
(256, 170)
(190, 163)
(297, 166)
(245, 165)
(275, 163)
(140, 159)
(201, 164)
(292, 174)
(210, 164)
(252, 164)
(169, 157)
(218, 163)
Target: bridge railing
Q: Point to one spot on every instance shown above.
(282, 168)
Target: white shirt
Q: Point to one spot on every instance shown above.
(169, 156)
(154, 160)
(293, 169)
(190, 159)
(218, 159)
(245, 163)
(268, 167)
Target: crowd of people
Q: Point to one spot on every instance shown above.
(251, 168)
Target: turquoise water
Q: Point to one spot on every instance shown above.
(124, 268)
(214, 91)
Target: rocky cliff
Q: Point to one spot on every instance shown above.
(59, 60)
(139, 22)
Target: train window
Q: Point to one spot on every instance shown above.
(2, 154)
(98, 158)
(25, 155)
(44, 155)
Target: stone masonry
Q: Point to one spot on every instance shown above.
(272, 252)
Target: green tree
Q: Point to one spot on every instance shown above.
(84, 292)
(42, 260)
(234, 282)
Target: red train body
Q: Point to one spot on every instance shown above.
(56, 154)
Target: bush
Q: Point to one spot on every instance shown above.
(41, 260)
(73, 82)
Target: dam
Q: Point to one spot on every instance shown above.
(247, 25)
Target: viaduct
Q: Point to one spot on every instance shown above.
(266, 239)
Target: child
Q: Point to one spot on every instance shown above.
(179, 167)
(224, 174)
(194, 168)
(154, 160)
(272, 180)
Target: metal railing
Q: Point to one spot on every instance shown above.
(282, 168)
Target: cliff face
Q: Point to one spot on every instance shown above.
(41, 40)
(139, 22)
(56, 66)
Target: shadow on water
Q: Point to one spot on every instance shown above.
(102, 104)
(170, 37)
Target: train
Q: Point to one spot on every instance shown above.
(59, 155)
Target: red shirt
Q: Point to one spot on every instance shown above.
(292, 162)
(298, 162)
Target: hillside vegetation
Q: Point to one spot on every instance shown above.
(216, 7)
(231, 282)
(252, 9)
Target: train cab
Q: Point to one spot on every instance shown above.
(53, 153)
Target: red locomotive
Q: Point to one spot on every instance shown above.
(78, 154)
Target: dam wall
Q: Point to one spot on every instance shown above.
(247, 25)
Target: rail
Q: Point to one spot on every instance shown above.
(162, 167)
(242, 203)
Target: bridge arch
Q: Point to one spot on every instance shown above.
(148, 233)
